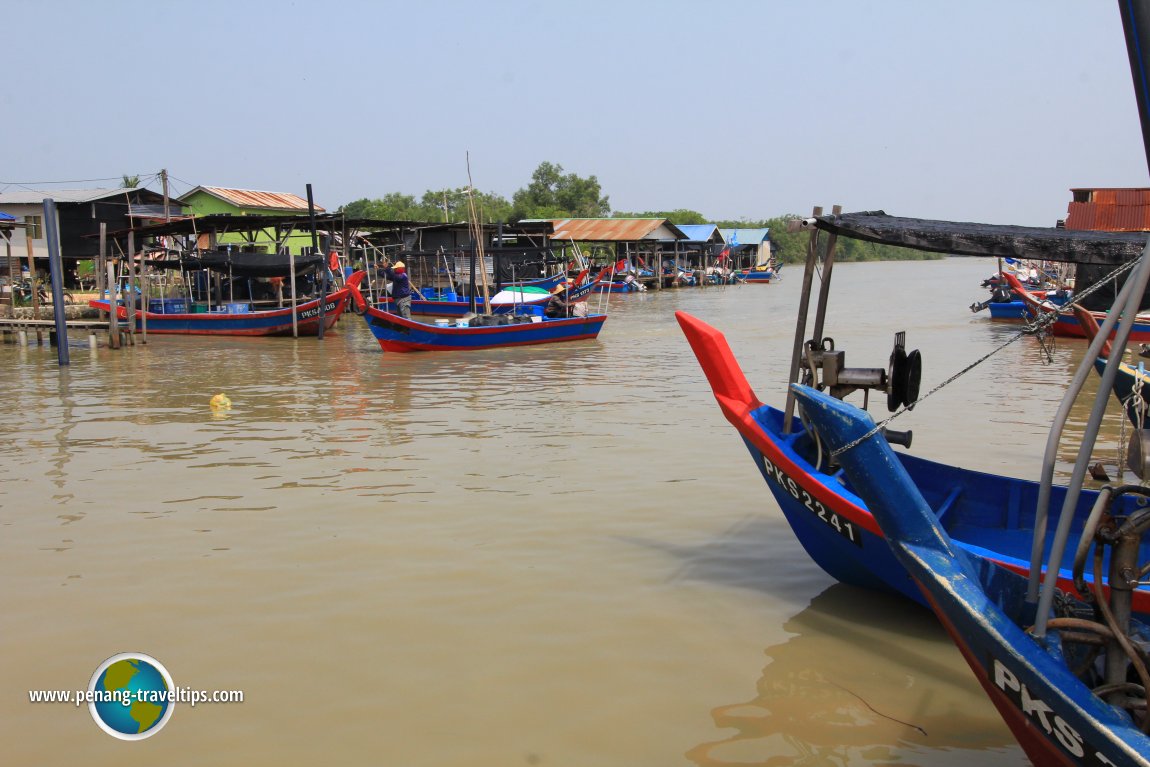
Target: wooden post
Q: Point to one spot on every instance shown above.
(113, 315)
(130, 291)
(825, 285)
(13, 270)
(101, 263)
(801, 323)
(32, 280)
(143, 305)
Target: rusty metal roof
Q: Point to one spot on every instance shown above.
(1108, 218)
(615, 229)
(1109, 209)
(249, 198)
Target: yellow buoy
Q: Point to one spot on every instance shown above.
(221, 402)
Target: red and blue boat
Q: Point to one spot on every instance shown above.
(1066, 323)
(448, 305)
(240, 319)
(758, 275)
(1069, 682)
(988, 515)
(398, 334)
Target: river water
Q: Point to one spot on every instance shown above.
(559, 555)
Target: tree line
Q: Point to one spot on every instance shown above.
(551, 193)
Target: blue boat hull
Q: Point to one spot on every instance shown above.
(396, 334)
(1053, 715)
(988, 515)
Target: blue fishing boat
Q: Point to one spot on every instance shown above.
(526, 327)
(1071, 683)
(988, 515)
(450, 305)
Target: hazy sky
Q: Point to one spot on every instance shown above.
(980, 110)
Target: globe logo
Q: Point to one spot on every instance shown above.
(131, 696)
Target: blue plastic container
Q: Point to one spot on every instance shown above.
(529, 311)
(167, 305)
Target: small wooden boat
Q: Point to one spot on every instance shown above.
(1072, 687)
(988, 515)
(454, 307)
(759, 275)
(397, 334)
(1067, 324)
(240, 319)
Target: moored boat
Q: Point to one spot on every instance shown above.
(990, 516)
(398, 334)
(1071, 685)
(1066, 323)
(240, 319)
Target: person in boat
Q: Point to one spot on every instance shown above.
(558, 306)
(400, 287)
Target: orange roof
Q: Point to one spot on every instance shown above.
(1109, 209)
(248, 198)
(1108, 218)
(614, 229)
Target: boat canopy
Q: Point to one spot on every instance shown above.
(959, 238)
(240, 264)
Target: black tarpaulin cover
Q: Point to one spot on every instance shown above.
(961, 238)
(242, 264)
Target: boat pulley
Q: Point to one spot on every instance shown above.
(904, 375)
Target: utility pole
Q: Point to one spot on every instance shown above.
(167, 208)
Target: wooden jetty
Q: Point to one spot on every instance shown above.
(21, 328)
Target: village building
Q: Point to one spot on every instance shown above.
(79, 213)
(204, 201)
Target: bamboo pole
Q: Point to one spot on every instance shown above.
(477, 228)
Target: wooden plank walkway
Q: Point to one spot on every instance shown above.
(21, 327)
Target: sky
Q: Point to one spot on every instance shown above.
(980, 110)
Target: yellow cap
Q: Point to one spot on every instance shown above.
(398, 265)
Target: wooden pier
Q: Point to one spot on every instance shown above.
(21, 328)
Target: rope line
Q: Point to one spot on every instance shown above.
(1036, 326)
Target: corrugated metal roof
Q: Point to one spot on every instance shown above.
(611, 229)
(1109, 217)
(700, 232)
(36, 196)
(250, 198)
(745, 236)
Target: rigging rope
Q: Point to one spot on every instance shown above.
(1035, 326)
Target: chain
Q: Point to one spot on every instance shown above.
(1036, 326)
(879, 426)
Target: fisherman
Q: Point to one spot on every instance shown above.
(558, 306)
(400, 287)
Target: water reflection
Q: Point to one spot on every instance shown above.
(863, 679)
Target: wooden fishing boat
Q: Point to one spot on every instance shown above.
(238, 319)
(1071, 686)
(454, 307)
(759, 275)
(397, 334)
(1067, 324)
(990, 516)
